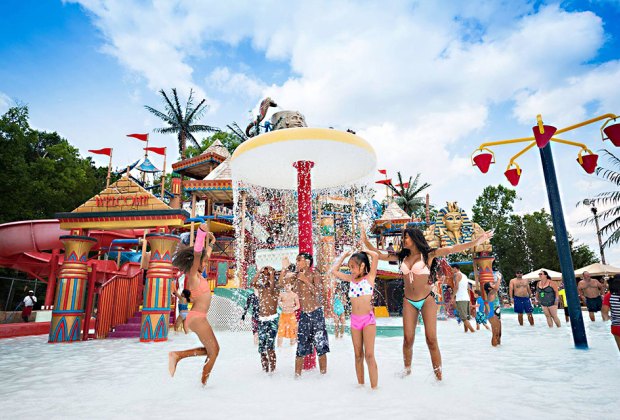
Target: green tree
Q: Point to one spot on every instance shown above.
(493, 206)
(182, 121)
(407, 194)
(229, 140)
(609, 198)
(43, 174)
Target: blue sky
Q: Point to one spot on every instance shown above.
(424, 82)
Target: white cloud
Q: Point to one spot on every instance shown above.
(422, 81)
(5, 103)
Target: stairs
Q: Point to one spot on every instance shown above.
(129, 330)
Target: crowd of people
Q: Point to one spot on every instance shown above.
(289, 304)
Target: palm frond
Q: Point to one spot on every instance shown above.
(160, 115)
(201, 127)
(197, 112)
(167, 130)
(172, 112)
(614, 160)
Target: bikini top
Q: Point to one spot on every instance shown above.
(418, 268)
(361, 288)
(203, 287)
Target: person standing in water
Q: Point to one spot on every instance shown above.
(548, 298)
(193, 261)
(251, 304)
(519, 292)
(287, 327)
(591, 293)
(461, 297)
(311, 330)
(363, 323)
(265, 285)
(418, 263)
(492, 309)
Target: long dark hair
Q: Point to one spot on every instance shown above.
(362, 257)
(614, 284)
(183, 258)
(418, 239)
(186, 294)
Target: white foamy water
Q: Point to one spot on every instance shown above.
(535, 372)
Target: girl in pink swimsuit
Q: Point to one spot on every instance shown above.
(363, 324)
(419, 265)
(193, 261)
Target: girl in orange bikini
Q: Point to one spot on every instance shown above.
(419, 265)
(193, 260)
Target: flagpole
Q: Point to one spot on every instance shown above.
(163, 176)
(146, 156)
(107, 181)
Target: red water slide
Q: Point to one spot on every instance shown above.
(23, 246)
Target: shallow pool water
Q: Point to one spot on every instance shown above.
(536, 371)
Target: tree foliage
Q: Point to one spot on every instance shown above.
(408, 194)
(229, 140)
(609, 198)
(524, 242)
(182, 121)
(42, 173)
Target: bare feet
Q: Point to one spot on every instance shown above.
(173, 359)
(437, 371)
(205, 373)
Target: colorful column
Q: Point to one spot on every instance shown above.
(304, 204)
(159, 277)
(483, 267)
(68, 310)
(304, 211)
(327, 255)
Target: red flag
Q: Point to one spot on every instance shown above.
(405, 185)
(158, 150)
(143, 137)
(104, 151)
(384, 181)
(383, 171)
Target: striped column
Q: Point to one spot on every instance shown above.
(68, 310)
(159, 277)
(483, 266)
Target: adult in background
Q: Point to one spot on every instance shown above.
(591, 293)
(519, 291)
(28, 303)
(611, 307)
(461, 297)
(548, 298)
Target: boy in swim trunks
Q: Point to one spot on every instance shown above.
(311, 330)
(265, 285)
(289, 302)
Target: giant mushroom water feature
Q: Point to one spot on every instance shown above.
(294, 156)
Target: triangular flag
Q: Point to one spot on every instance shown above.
(104, 151)
(384, 182)
(158, 150)
(383, 171)
(143, 137)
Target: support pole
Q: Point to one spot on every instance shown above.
(159, 278)
(68, 313)
(304, 210)
(51, 280)
(563, 247)
(90, 293)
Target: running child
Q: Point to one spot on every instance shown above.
(363, 323)
(192, 261)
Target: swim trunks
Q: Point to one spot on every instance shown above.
(463, 307)
(311, 332)
(267, 335)
(594, 304)
(287, 327)
(523, 305)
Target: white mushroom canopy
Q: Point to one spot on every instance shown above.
(267, 160)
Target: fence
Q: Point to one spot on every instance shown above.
(118, 299)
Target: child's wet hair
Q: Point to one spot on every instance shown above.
(183, 258)
(362, 257)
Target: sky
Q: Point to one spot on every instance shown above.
(424, 82)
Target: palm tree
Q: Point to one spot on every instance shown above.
(609, 198)
(181, 121)
(407, 194)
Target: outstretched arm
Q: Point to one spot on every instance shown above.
(202, 238)
(372, 273)
(371, 247)
(442, 252)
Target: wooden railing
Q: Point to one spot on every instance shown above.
(118, 299)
